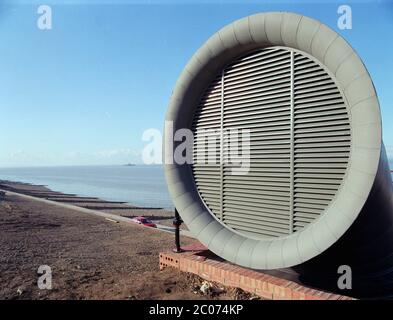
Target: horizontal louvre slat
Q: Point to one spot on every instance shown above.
(274, 220)
(260, 211)
(265, 231)
(254, 205)
(257, 225)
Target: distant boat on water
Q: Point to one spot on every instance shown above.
(129, 165)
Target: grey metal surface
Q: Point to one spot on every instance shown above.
(359, 114)
(367, 246)
(300, 142)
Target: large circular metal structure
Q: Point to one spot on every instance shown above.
(316, 152)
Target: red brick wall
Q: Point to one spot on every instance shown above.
(263, 285)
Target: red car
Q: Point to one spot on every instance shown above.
(144, 221)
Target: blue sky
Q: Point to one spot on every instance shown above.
(84, 92)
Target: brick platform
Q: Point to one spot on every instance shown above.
(198, 260)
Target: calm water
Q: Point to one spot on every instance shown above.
(139, 185)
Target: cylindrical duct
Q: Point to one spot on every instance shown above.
(307, 183)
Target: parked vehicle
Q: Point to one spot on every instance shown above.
(144, 221)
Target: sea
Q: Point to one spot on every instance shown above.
(139, 185)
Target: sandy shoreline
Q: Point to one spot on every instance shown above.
(158, 215)
(90, 257)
